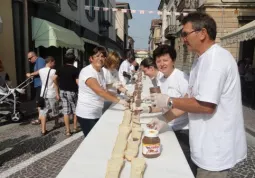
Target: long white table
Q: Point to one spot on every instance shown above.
(90, 159)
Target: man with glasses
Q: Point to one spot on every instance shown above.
(39, 63)
(213, 102)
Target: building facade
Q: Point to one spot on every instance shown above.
(155, 35)
(81, 25)
(228, 14)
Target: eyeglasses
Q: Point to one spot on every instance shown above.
(185, 34)
(29, 59)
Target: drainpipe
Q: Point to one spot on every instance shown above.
(26, 42)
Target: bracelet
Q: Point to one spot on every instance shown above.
(150, 109)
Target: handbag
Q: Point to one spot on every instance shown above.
(41, 101)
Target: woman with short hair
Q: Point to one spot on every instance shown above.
(92, 91)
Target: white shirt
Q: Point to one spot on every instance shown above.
(156, 80)
(124, 67)
(89, 104)
(176, 86)
(110, 78)
(217, 141)
(50, 91)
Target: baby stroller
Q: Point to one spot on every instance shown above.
(9, 104)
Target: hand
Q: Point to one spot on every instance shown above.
(57, 97)
(129, 94)
(160, 100)
(122, 89)
(123, 102)
(117, 85)
(144, 109)
(156, 124)
(28, 75)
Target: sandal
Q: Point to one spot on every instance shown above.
(44, 133)
(36, 122)
(68, 134)
(76, 130)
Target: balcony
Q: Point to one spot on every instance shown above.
(55, 4)
(186, 5)
(170, 31)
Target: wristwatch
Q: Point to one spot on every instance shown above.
(170, 103)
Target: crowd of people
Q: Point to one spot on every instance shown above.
(84, 93)
(203, 109)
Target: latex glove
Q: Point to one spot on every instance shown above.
(144, 109)
(164, 110)
(156, 124)
(117, 85)
(129, 94)
(123, 102)
(160, 100)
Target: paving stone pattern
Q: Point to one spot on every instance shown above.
(23, 141)
(51, 165)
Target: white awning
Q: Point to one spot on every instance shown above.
(47, 34)
(244, 33)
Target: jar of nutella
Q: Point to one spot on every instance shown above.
(151, 144)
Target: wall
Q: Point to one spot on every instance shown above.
(80, 16)
(119, 24)
(7, 53)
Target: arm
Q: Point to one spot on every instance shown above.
(94, 85)
(55, 81)
(194, 106)
(172, 114)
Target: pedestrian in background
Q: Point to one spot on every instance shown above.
(214, 106)
(39, 63)
(50, 93)
(67, 78)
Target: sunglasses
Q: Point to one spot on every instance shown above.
(185, 34)
(29, 59)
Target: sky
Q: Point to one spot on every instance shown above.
(139, 28)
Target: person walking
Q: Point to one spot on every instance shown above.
(67, 78)
(126, 66)
(213, 102)
(39, 63)
(50, 93)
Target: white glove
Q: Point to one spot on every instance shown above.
(160, 100)
(123, 102)
(116, 85)
(157, 124)
(144, 109)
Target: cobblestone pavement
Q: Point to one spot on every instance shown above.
(245, 169)
(18, 142)
(51, 165)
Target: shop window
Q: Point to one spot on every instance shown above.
(91, 12)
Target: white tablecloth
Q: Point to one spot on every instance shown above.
(90, 159)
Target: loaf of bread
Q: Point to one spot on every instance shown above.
(132, 149)
(136, 133)
(137, 167)
(114, 167)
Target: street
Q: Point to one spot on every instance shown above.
(24, 153)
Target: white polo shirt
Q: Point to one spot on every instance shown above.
(217, 141)
(176, 86)
(124, 67)
(89, 104)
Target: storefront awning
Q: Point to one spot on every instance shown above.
(244, 33)
(47, 34)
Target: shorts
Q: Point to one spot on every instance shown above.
(69, 100)
(37, 93)
(50, 104)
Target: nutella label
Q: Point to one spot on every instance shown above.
(151, 149)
